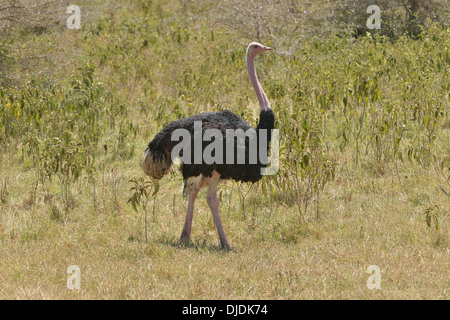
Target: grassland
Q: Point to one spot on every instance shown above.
(363, 180)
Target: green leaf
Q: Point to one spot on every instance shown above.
(156, 188)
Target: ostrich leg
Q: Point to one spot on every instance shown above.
(186, 234)
(213, 203)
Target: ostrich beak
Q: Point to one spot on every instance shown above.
(267, 48)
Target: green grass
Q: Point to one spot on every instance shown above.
(364, 120)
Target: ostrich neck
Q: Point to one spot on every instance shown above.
(262, 98)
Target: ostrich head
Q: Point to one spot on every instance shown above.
(256, 48)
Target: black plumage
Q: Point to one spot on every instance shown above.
(161, 146)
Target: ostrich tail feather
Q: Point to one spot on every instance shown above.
(156, 163)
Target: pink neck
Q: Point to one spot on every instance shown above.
(262, 98)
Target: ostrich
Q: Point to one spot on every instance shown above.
(157, 158)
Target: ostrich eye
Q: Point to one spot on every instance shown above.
(255, 46)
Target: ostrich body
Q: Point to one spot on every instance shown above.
(157, 158)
